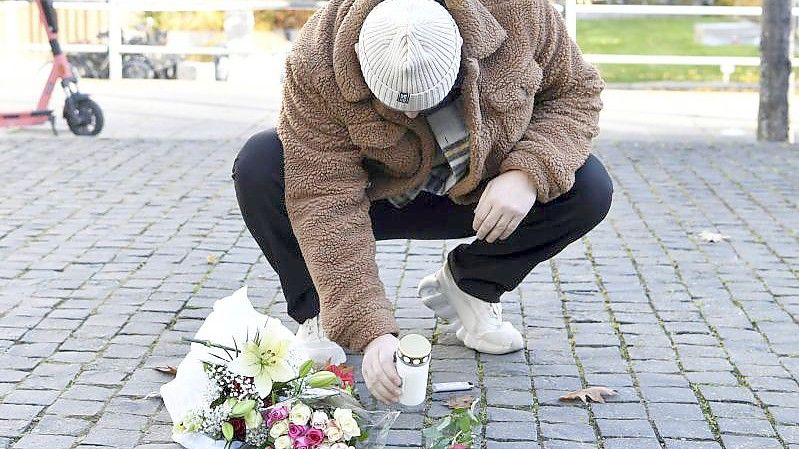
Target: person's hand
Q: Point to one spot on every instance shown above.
(506, 200)
(379, 369)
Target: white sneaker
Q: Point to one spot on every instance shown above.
(316, 345)
(479, 323)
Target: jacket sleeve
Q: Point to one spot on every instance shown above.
(566, 112)
(325, 194)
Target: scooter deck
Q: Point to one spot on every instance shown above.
(10, 115)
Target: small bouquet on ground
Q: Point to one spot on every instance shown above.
(454, 431)
(245, 384)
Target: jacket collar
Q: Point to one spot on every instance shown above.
(482, 35)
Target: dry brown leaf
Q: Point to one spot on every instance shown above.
(713, 237)
(171, 370)
(462, 401)
(212, 260)
(594, 393)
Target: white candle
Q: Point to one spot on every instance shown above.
(413, 366)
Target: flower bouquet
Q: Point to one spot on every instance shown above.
(245, 384)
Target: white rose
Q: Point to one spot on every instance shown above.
(350, 428)
(339, 446)
(279, 428)
(347, 424)
(332, 432)
(283, 442)
(341, 414)
(300, 414)
(319, 420)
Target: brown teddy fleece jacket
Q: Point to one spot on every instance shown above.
(531, 103)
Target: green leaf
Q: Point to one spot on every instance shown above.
(444, 423)
(227, 431)
(431, 433)
(305, 368)
(242, 408)
(217, 402)
(473, 418)
(253, 419)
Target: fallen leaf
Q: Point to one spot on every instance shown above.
(594, 393)
(166, 370)
(212, 260)
(713, 237)
(462, 401)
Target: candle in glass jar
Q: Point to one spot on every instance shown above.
(413, 366)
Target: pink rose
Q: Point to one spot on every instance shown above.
(302, 443)
(296, 431)
(276, 414)
(314, 436)
(458, 446)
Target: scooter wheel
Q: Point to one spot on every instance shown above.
(86, 119)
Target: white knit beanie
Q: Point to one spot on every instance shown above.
(410, 53)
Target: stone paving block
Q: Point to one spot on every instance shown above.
(502, 414)
(750, 442)
(12, 428)
(31, 397)
(158, 433)
(510, 445)
(519, 432)
(790, 434)
(562, 444)
(570, 432)
(49, 441)
(19, 411)
(684, 429)
(72, 407)
(631, 443)
(59, 425)
(784, 415)
(625, 428)
(745, 426)
(691, 444)
(116, 438)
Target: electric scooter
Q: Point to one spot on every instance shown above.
(84, 117)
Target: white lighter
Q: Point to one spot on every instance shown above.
(442, 387)
(413, 366)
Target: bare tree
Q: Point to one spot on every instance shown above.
(776, 73)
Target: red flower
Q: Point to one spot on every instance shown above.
(458, 446)
(239, 428)
(343, 372)
(314, 436)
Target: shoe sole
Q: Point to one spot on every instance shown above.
(470, 341)
(436, 301)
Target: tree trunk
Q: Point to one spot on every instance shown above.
(776, 74)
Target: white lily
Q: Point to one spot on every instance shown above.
(264, 359)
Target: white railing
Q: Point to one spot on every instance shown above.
(570, 9)
(115, 8)
(726, 64)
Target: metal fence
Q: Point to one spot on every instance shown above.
(113, 9)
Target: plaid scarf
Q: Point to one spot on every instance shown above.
(450, 164)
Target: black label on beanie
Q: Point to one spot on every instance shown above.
(404, 97)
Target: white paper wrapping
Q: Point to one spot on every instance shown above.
(233, 318)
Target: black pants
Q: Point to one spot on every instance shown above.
(484, 270)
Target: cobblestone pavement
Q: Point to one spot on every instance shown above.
(104, 247)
